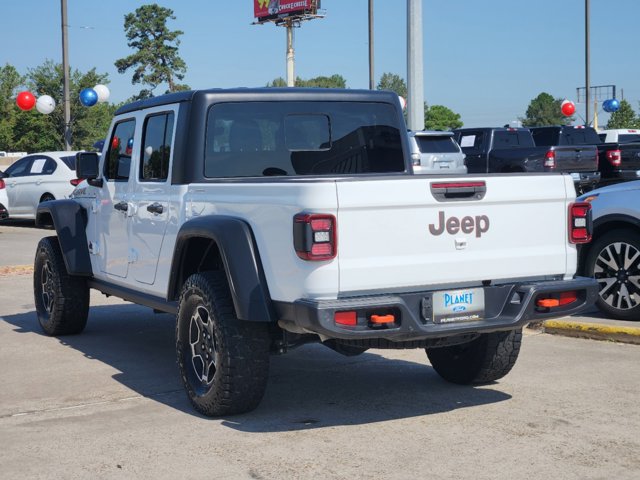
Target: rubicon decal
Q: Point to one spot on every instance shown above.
(453, 225)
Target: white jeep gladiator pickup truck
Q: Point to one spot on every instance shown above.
(268, 218)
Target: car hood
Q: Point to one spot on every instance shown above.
(618, 187)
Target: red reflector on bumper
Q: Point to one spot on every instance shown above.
(346, 318)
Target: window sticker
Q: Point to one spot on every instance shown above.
(468, 141)
(38, 165)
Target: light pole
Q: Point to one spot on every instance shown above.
(415, 76)
(371, 74)
(65, 75)
(587, 79)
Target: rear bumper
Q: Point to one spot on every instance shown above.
(506, 307)
(586, 178)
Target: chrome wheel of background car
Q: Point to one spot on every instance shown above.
(203, 347)
(617, 269)
(48, 287)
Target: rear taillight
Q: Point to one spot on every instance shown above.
(580, 222)
(614, 157)
(550, 160)
(2, 184)
(314, 236)
(76, 181)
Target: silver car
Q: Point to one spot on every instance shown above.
(436, 152)
(613, 256)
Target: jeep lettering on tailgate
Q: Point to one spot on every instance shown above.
(453, 225)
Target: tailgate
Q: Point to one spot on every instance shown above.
(630, 153)
(576, 158)
(394, 234)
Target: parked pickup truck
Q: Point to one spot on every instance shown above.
(618, 161)
(513, 150)
(268, 218)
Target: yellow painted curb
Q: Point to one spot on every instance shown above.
(595, 331)
(16, 270)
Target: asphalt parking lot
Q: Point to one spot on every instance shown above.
(109, 404)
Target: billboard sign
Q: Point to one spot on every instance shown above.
(273, 9)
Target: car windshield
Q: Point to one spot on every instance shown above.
(436, 144)
(69, 161)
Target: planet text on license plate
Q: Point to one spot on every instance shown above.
(450, 306)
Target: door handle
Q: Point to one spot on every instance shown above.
(156, 208)
(121, 206)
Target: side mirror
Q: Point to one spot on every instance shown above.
(87, 167)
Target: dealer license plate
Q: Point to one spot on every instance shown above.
(452, 306)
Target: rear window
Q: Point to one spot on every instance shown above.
(580, 136)
(509, 139)
(69, 161)
(254, 139)
(627, 138)
(442, 144)
(545, 137)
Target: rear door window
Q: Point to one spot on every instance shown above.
(69, 161)
(472, 143)
(545, 137)
(505, 139)
(156, 152)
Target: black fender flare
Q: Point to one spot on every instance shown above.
(241, 260)
(69, 219)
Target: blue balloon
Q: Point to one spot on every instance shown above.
(606, 105)
(614, 105)
(88, 97)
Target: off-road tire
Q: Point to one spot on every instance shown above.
(238, 350)
(613, 261)
(62, 300)
(487, 358)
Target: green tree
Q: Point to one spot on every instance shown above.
(625, 117)
(155, 60)
(545, 110)
(334, 81)
(439, 117)
(10, 80)
(393, 82)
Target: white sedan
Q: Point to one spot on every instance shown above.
(37, 178)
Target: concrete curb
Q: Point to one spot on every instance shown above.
(595, 331)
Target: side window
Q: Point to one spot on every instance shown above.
(503, 140)
(19, 168)
(118, 159)
(156, 152)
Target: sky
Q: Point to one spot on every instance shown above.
(486, 60)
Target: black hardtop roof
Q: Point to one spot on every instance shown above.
(264, 94)
(468, 129)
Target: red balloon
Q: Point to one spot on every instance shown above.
(25, 101)
(568, 108)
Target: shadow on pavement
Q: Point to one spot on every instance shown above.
(311, 387)
(18, 222)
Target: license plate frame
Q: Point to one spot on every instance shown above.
(458, 306)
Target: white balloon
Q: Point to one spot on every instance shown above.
(103, 93)
(45, 104)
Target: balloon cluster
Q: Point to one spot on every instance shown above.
(568, 108)
(45, 104)
(611, 105)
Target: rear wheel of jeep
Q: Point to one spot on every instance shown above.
(62, 300)
(487, 358)
(223, 361)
